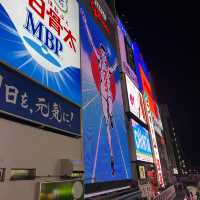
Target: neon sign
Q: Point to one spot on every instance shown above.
(154, 144)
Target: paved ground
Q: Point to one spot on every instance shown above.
(180, 196)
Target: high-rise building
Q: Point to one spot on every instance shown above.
(174, 149)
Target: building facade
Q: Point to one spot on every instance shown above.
(78, 115)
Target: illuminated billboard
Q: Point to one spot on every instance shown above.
(143, 78)
(66, 190)
(106, 153)
(157, 122)
(139, 61)
(135, 100)
(142, 172)
(154, 142)
(40, 38)
(126, 53)
(142, 143)
(22, 98)
(147, 90)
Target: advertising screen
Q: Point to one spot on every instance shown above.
(142, 143)
(135, 100)
(126, 53)
(147, 90)
(106, 153)
(143, 78)
(40, 38)
(139, 61)
(157, 122)
(66, 190)
(154, 143)
(142, 172)
(129, 54)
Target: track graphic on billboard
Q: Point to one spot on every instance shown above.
(40, 38)
(105, 141)
(142, 143)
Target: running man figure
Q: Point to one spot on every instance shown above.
(105, 86)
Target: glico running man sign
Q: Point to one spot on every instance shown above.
(40, 38)
(106, 155)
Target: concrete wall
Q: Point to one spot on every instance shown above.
(24, 146)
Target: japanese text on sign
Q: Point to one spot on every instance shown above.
(56, 23)
(20, 98)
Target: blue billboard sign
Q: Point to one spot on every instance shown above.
(139, 62)
(142, 143)
(106, 152)
(40, 39)
(22, 98)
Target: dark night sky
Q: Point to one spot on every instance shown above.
(168, 36)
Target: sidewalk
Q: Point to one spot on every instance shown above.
(180, 196)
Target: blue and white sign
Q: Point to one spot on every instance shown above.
(142, 143)
(40, 38)
(22, 98)
(106, 152)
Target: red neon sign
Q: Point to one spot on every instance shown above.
(147, 89)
